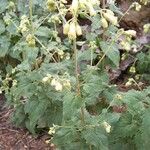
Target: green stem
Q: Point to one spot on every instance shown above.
(77, 77)
(76, 66)
(125, 13)
(31, 14)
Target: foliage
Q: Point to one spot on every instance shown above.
(59, 80)
(143, 64)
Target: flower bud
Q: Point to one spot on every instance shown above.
(130, 33)
(137, 7)
(30, 40)
(110, 12)
(74, 6)
(66, 28)
(53, 82)
(45, 79)
(106, 126)
(126, 45)
(72, 31)
(112, 19)
(58, 87)
(119, 97)
(104, 23)
(78, 30)
(132, 69)
(91, 10)
(82, 4)
(51, 5)
(146, 28)
(67, 84)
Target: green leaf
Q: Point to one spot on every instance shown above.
(111, 51)
(43, 31)
(96, 22)
(96, 138)
(71, 106)
(4, 45)
(3, 5)
(2, 26)
(145, 129)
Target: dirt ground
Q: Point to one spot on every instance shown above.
(12, 138)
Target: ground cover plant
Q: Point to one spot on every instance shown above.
(55, 57)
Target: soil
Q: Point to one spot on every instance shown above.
(12, 138)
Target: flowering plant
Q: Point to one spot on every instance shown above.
(58, 78)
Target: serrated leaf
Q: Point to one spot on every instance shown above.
(71, 105)
(4, 45)
(3, 5)
(96, 138)
(2, 26)
(43, 31)
(111, 51)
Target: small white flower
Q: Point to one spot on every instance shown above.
(74, 6)
(53, 82)
(107, 126)
(51, 131)
(130, 33)
(45, 79)
(58, 86)
(67, 84)
(14, 83)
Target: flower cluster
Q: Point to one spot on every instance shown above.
(72, 29)
(87, 5)
(57, 82)
(145, 2)
(137, 6)
(24, 24)
(52, 130)
(146, 28)
(107, 126)
(125, 42)
(108, 16)
(51, 6)
(129, 82)
(30, 40)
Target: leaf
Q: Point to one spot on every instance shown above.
(2, 26)
(96, 81)
(111, 51)
(67, 139)
(43, 31)
(3, 5)
(4, 45)
(96, 22)
(35, 110)
(145, 129)
(71, 106)
(95, 137)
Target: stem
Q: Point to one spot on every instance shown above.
(104, 5)
(125, 13)
(91, 57)
(76, 67)
(63, 18)
(77, 77)
(31, 14)
(45, 48)
(137, 85)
